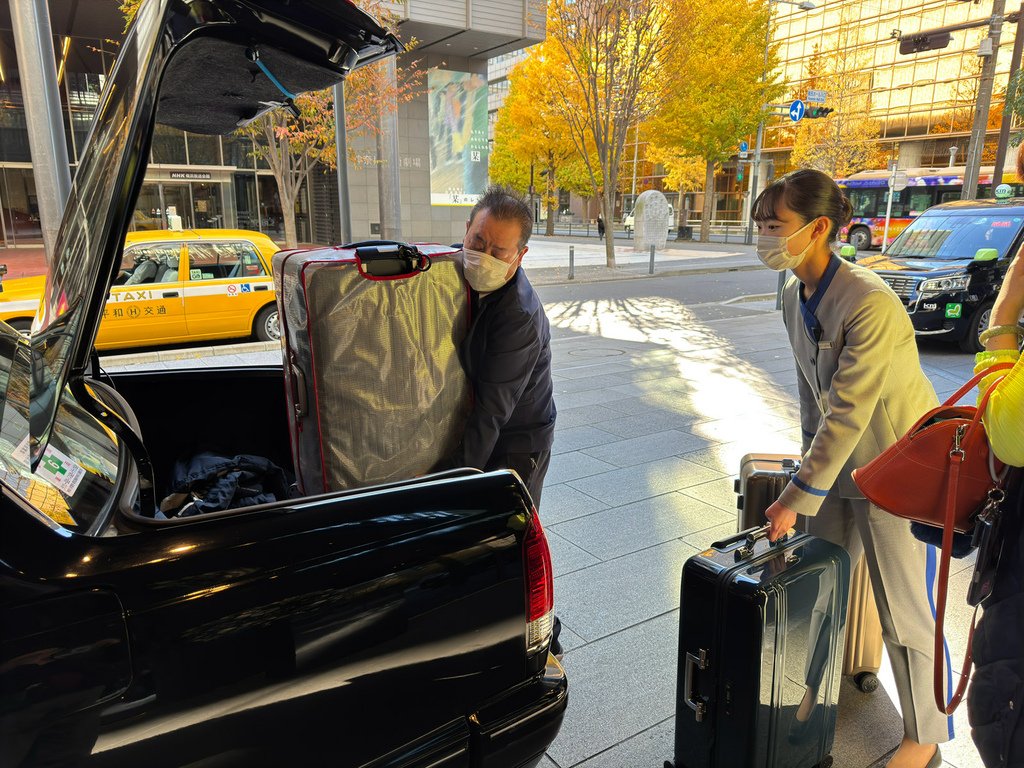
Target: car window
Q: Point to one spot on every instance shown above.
(946, 236)
(149, 263)
(215, 261)
(74, 482)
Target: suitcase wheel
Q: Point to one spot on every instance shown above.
(866, 681)
(826, 762)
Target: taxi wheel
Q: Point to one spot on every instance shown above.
(22, 325)
(979, 322)
(267, 326)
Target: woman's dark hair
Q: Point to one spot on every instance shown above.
(1020, 166)
(809, 194)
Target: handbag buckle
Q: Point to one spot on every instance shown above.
(958, 437)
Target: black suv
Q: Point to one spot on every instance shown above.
(947, 266)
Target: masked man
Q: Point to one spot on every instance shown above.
(507, 352)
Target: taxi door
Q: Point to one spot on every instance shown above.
(146, 303)
(227, 284)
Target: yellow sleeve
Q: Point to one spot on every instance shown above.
(1004, 417)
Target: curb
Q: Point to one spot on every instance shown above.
(563, 279)
(191, 353)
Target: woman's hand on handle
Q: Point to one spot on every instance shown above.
(782, 519)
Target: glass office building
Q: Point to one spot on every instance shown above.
(917, 108)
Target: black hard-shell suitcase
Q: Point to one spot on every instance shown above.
(762, 478)
(758, 624)
(370, 335)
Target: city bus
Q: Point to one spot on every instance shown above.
(866, 191)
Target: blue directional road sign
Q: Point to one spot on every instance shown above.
(743, 146)
(796, 111)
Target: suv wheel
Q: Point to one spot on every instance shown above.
(979, 322)
(860, 238)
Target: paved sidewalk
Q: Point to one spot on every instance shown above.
(657, 401)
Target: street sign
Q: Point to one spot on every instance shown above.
(743, 146)
(816, 97)
(796, 111)
(899, 180)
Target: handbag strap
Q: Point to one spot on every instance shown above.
(958, 395)
(939, 654)
(956, 458)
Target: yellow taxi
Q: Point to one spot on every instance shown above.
(175, 286)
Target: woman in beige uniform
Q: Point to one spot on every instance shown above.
(861, 388)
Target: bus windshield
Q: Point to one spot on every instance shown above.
(942, 235)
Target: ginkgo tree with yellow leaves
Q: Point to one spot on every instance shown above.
(531, 134)
(716, 100)
(609, 59)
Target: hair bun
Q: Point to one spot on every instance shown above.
(846, 211)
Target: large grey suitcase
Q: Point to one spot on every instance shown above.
(370, 335)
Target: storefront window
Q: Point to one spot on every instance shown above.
(207, 211)
(245, 201)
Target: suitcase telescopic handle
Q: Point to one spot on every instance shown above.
(695, 661)
(755, 536)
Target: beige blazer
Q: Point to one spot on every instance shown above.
(860, 379)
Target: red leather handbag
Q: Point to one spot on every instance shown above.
(941, 473)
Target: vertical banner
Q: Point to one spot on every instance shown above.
(457, 103)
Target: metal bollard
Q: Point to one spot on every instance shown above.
(651, 270)
(572, 260)
(778, 292)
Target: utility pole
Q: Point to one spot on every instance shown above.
(341, 147)
(988, 70)
(1004, 127)
(636, 147)
(389, 188)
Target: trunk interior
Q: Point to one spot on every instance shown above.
(230, 411)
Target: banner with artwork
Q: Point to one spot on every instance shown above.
(457, 110)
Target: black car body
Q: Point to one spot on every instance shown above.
(948, 265)
(399, 625)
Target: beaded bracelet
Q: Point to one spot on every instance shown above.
(1001, 330)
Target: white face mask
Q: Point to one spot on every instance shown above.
(773, 252)
(484, 272)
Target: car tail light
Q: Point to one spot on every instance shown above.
(540, 587)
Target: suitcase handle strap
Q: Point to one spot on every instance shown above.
(386, 260)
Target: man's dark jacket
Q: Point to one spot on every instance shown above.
(995, 699)
(507, 357)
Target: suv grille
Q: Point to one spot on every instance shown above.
(903, 286)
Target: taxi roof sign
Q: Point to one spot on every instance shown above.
(1004, 191)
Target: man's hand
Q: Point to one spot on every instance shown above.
(782, 519)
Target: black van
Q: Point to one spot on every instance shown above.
(947, 266)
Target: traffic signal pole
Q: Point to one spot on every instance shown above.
(1004, 127)
(977, 144)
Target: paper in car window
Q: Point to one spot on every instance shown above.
(40, 494)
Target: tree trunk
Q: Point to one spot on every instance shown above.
(709, 202)
(291, 239)
(549, 226)
(608, 205)
(549, 230)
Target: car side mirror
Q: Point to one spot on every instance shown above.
(848, 252)
(986, 254)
